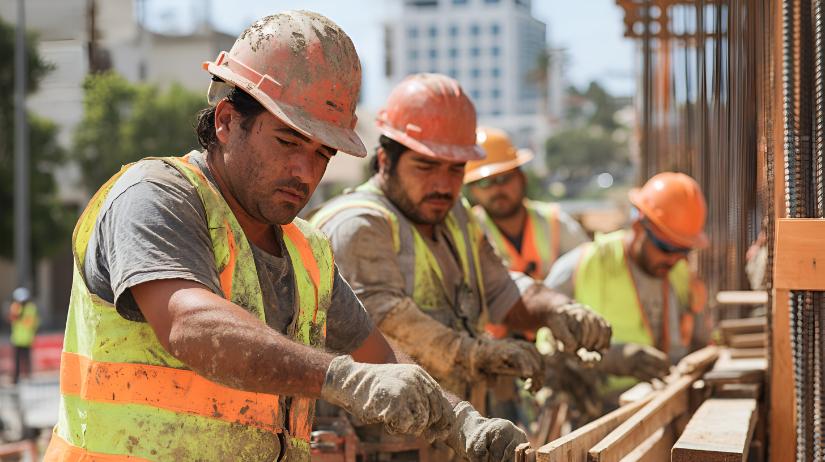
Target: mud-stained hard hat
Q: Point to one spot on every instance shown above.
(502, 156)
(301, 67)
(431, 114)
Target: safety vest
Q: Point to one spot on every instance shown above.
(603, 281)
(124, 397)
(423, 275)
(25, 325)
(540, 241)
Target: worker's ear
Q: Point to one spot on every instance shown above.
(224, 114)
(381, 155)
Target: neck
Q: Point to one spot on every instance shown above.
(513, 226)
(259, 233)
(631, 249)
(426, 230)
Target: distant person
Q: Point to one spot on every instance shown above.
(24, 322)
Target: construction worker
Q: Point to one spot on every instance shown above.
(528, 235)
(414, 254)
(205, 319)
(24, 322)
(639, 280)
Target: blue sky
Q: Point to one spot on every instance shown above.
(590, 31)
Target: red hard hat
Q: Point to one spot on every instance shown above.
(301, 67)
(674, 203)
(430, 114)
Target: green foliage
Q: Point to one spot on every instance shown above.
(50, 221)
(124, 122)
(581, 152)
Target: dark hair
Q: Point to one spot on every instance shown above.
(393, 149)
(247, 106)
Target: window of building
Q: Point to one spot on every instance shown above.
(491, 2)
(495, 29)
(412, 54)
(453, 30)
(433, 31)
(495, 72)
(475, 95)
(412, 32)
(433, 53)
(475, 73)
(475, 51)
(453, 52)
(459, 2)
(475, 29)
(422, 3)
(496, 112)
(495, 93)
(495, 51)
(453, 73)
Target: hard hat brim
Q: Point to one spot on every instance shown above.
(331, 135)
(522, 157)
(449, 152)
(699, 241)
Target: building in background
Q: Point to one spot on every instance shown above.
(498, 52)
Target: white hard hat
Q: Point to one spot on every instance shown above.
(21, 294)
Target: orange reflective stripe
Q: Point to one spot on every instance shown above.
(176, 390)
(300, 241)
(686, 326)
(554, 229)
(228, 272)
(60, 450)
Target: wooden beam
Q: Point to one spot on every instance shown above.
(573, 447)
(741, 297)
(720, 431)
(654, 449)
(799, 256)
(744, 325)
(757, 340)
(748, 353)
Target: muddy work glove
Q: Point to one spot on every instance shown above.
(401, 396)
(510, 357)
(479, 439)
(576, 326)
(634, 360)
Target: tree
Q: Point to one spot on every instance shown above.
(50, 221)
(124, 122)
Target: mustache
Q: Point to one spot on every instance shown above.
(499, 196)
(294, 183)
(438, 195)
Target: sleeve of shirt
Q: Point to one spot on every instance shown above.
(571, 233)
(499, 288)
(561, 275)
(348, 323)
(362, 244)
(155, 229)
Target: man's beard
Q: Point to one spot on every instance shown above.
(398, 196)
(498, 213)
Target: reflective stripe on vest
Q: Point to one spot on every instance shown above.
(603, 280)
(540, 242)
(124, 396)
(422, 273)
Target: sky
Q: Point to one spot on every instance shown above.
(589, 30)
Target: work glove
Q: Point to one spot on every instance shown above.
(401, 396)
(510, 357)
(634, 360)
(480, 439)
(576, 326)
(566, 375)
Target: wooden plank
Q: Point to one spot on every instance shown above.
(738, 391)
(573, 447)
(758, 340)
(699, 360)
(782, 432)
(720, 431)
(660, 411)
(654, 449)
(741, 297)
(635, 393)
(748, 353)
(744, 325)
(799, 256)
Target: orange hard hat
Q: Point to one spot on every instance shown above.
(430, 114)
(675, 205)
(501, 155)
(301, 67)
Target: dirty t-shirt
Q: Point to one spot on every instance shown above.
(362, 240)
(153, 226)
(649, 288)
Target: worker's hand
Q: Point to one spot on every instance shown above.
(577, 326)
(401, 396)
(634, 360)
(516, 358)
(566, 376)
(478, 439)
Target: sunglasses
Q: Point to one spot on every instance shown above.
(485, 183)
(664, 246)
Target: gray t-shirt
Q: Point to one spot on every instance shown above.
(153, 226)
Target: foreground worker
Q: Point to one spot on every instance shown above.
(204, 318)
(24, 322)
(415, 256)
(528, 235)
(639, 280)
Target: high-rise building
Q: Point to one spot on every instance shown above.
(496, 49)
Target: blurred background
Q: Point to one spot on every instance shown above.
(112, 81)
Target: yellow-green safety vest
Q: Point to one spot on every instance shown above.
(24, 327)
(124, 397)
